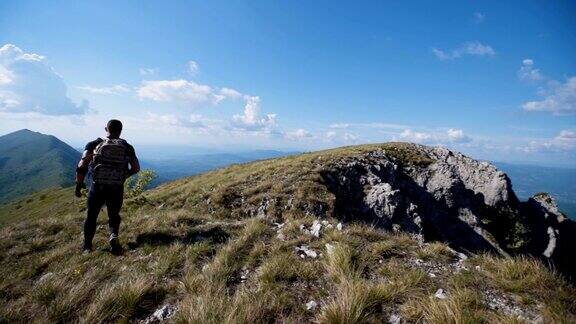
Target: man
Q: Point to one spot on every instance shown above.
(111, 161)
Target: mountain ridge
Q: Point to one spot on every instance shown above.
(393, 231)
(31, 161)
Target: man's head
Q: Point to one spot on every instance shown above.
(114, 128)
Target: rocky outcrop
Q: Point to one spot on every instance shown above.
(450, 197)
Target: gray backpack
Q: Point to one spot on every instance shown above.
(110, 162)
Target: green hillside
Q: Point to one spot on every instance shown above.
(31, 161)
(203, 249)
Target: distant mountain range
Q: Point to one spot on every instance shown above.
(31, 161)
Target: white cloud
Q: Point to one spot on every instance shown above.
(148, 71)
(567, 135)
(177, 91)
(457, 136)
(565, 141)
(469, 48)
(231, 93)
(112, 90)
(416, 137)
(298, 134)
(192, 121)
(193, 67)
(452, 135)
(251, 120)
(350, 138)
(330, 135)
(559, 99)
(527, 71)
(478, 17)
(29, 84)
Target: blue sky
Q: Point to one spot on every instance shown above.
(496, 80)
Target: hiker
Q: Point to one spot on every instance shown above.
(111, 161)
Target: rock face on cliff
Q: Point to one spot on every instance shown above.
(366, 234)
(432, 192)
(447, 196)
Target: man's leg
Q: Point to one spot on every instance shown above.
(114, 202)
(95, 203)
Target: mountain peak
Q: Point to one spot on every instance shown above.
(37, 160)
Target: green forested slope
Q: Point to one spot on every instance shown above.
(31, 161)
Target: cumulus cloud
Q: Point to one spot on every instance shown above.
(416, 137)
(452, 135)
(193, 67)
(330, 135)
(565, 141)
(112, 90)
(457, 136)
(298, 134)
(478, 17)
(252, 120)
(177, 91)
(29, 84)
(559, 99)
(350, 138)
(231, 93)
(567, 135)
(469, 48)
(192, 121)
(527, 71)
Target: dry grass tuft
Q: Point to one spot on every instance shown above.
(461, 306)
(356, 302)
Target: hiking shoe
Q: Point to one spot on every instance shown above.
(115, 245)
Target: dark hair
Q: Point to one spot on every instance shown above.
(114, 126)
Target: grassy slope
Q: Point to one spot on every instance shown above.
(32, 161)
(217, 264)
(51, 202)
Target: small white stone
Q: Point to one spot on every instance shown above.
(440, 294)
(45, 276)
(339, 226)
(315, 229)
(477, 268)
(306, 252)
(394, 319)
(311, 305)
(432, 275)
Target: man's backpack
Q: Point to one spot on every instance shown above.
(110, 162)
